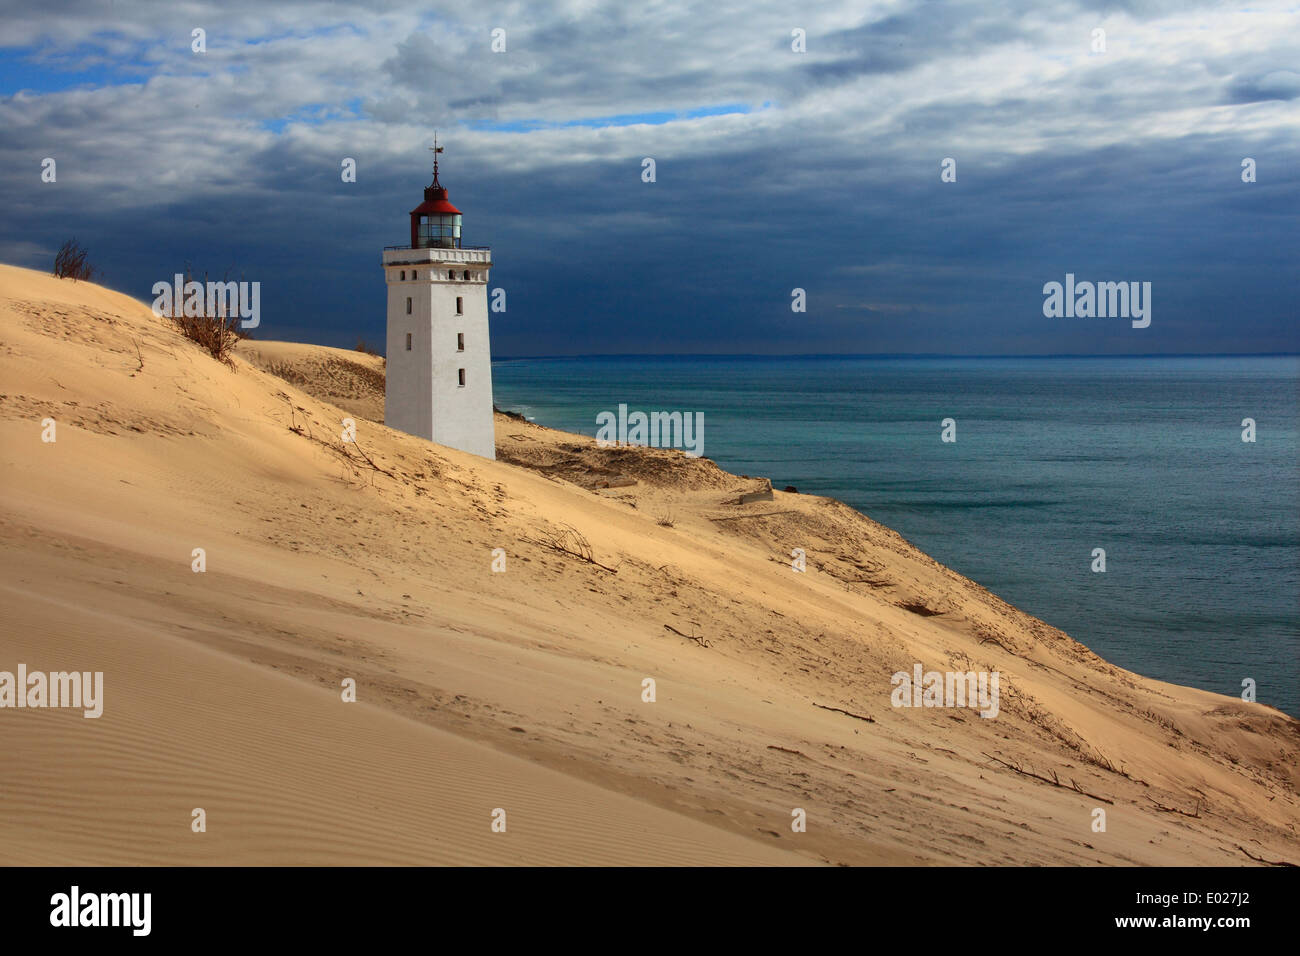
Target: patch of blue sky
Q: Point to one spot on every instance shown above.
(47, 72)
(658, 118)
(290, 35)
(315, 114)
(112, 59)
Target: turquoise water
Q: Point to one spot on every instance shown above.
(1054, 457)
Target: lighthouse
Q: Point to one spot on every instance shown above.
(439, 362)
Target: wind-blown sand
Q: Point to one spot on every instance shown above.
(523, 690)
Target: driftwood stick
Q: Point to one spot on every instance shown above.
(370, 461)
(1054, 782)
(569, 540)
(690, 637)
(787, 750)
(1260, 859)
(841, 710)
(1165, 809)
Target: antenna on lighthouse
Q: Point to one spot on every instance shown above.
(435, 149)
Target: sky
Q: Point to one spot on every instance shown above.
(795, 146)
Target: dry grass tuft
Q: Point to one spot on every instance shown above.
(70, 262)
(216, 335)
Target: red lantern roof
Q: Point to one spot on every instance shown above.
(435, 203)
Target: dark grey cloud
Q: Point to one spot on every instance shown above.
(1122, 165)
(1277, 85)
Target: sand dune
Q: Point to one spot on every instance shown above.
(523, 690)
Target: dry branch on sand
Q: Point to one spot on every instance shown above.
(841, 710)
(370, 461)
(340, 449)
(1054, 780)
(787, 750)
(1260, 859)
(697, 638)
(569, 540)
(1164, 809)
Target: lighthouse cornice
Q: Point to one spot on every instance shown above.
(436, 255)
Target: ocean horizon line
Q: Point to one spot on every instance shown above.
(891, 355)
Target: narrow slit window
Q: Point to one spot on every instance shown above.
(466, 274)
(451, 273)
(460, 342)
(408, 305)
(414, 274)
(462, 378)
(408, 341)
(460, 305)
(403, 275)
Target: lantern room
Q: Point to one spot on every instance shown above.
(435, 223)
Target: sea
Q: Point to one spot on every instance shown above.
(1053, 458)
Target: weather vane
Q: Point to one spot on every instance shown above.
(435, 149)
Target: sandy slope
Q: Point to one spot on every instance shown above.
(522, 689)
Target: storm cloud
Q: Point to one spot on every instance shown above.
(775, 169)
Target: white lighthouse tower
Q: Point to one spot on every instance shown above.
(439, 375)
